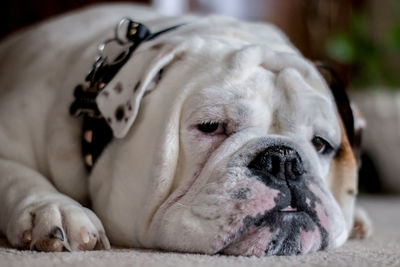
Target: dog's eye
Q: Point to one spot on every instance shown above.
(321, 145)
(211, 127)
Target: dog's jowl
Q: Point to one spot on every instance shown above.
(204, 135)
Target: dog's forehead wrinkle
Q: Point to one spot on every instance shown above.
(241, 110)
(238, 97)
(302, 109)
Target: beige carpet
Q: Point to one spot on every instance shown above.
(383, 249)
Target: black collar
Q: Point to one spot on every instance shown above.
(96, 133)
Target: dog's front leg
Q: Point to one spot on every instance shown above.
(34, 215)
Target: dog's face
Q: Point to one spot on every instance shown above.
(253, 166)
(258, 144)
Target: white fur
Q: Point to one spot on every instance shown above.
(216, 69)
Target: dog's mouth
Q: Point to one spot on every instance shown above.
(251, 217)
(297, 223)
(287, 231)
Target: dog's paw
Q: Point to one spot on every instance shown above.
(57, 227)
(362, 226)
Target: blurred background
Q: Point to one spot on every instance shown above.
(358, 38)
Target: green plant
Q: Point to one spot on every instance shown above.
(367, 56)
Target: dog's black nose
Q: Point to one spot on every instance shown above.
(281, 162)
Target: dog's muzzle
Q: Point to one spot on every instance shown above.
(293, 225)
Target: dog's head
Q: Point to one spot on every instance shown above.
(241, 148)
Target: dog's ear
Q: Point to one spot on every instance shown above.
(359, 126)
(353, 121)
(120, 100)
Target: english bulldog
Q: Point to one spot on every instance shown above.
(225, 139)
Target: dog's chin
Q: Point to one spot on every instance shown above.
(277, 233)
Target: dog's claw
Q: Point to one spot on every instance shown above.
(57, 233)
(26, 239)
(88, 239)
(54, 242)
(102, 242)
(49, 244)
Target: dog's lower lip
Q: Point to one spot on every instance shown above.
(289, 209)
(259, 228)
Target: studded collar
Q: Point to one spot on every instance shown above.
(96, 133)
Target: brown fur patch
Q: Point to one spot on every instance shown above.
(343, 177)
(345, 153)
(136, 86)
(351, 192)
(157, 47)
(118, 88)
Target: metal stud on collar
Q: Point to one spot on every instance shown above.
(130, 30)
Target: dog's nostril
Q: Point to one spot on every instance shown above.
(293, 168)
(273, 164)
(268, 163)
(297, 167)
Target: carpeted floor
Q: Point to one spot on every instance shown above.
(383, 249)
